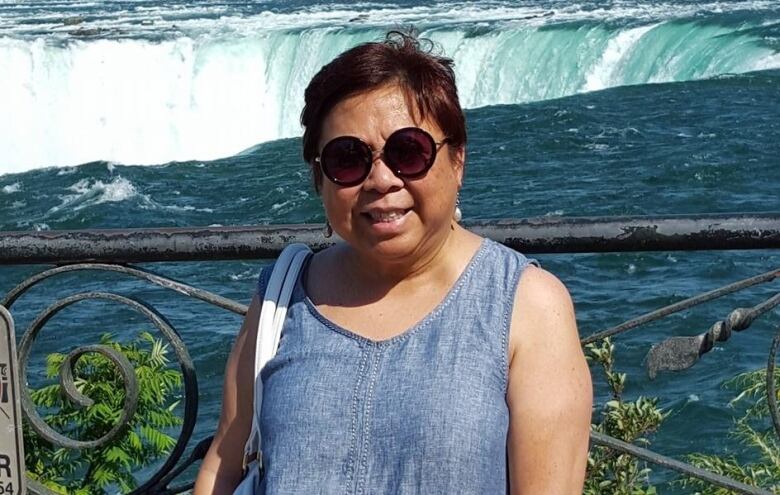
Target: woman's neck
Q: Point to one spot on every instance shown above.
(429, 264)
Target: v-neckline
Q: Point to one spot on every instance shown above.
(424, 321)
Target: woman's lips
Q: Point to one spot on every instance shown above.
(386, 221)
(386, 216)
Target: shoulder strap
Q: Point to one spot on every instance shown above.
(272, 314)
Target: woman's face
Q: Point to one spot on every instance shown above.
(387, 217)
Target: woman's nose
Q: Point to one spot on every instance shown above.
(381, 178)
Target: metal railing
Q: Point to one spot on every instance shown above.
(113, 250)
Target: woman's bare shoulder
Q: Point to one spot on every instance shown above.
(540, 290)
(549, 392)
(543, 313)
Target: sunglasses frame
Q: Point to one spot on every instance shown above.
(371, 156)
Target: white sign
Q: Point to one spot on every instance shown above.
(12, 474)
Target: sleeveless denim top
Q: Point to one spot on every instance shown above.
(422, 412)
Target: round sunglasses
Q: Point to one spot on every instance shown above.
(408, 152)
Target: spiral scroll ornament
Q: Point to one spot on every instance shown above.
(127, 372)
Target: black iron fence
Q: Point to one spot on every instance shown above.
(114, 250)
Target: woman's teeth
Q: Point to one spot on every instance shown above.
(386, 216)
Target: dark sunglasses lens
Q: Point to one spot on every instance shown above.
(410, 151)
(346, 160)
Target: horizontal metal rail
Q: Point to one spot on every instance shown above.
(531, 235)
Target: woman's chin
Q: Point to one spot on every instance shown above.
(391, 241)
(401, 239)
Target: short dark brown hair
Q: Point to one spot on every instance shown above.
(427, 79)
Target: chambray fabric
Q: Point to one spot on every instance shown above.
(424, 412)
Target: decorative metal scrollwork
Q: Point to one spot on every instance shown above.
(165, 282)
(158, 482)
(679, 353)
(128, 375)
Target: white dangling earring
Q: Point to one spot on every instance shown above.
(327, 230)
(457, 214)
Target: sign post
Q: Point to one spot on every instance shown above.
(12, 473)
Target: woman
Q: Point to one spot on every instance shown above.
(416, 356)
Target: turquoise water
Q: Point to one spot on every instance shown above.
(620, 108)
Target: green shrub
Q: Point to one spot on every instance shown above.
(754, 430)
(110, 467)
(631, 421)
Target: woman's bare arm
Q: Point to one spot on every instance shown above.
(550, 394)
(221, 470)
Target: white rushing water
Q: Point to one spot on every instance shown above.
(147, 87)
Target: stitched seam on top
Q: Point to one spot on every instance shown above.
(363, 469)
(353, 429)
(506, 326)
(438, 310)
(425, 322)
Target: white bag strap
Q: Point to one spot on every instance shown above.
(272, 314)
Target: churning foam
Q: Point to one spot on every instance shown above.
(177, 18)
(12, 188)
(90, 192)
